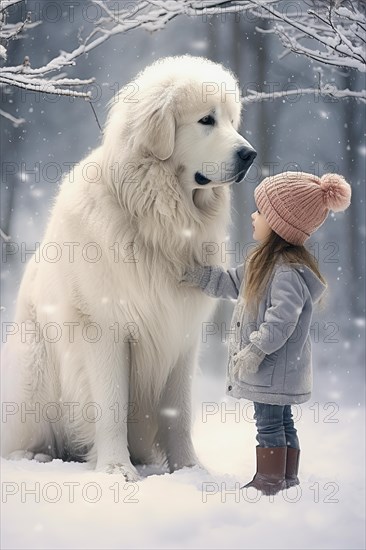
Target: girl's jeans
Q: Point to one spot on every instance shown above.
(275, 426)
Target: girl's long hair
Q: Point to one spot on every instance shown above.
(260, 262)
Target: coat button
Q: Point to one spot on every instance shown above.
(238, 324)
(230, 388)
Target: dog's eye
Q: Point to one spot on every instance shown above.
(207, 120)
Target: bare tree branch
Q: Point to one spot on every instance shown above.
(4, 236)
(333, 35)
(325, 90)
(5, 4)
(15, 121)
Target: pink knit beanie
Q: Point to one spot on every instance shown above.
(295, 204)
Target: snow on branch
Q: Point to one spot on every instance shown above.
(325, 90)
(332, 33)
(335, 35)
(39, 79)
(24, 76)
(5, 4)
(329, 33)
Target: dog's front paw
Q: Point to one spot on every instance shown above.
(42, 457)
(18, 455)
(127, 470)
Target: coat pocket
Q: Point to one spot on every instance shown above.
(264, 375)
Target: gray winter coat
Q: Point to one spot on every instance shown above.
(281, 330)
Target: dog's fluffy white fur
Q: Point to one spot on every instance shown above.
(106, 340)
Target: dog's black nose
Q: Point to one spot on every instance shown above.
(247, 154)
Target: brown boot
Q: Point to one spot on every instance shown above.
(271, 468)
(292, 466)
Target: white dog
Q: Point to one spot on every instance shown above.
(99, 362)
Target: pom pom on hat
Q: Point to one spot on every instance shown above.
(336, 192)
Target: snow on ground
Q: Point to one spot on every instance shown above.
(74, 507)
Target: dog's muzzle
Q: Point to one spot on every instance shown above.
(243, 161)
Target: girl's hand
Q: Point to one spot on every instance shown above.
(247, 360)
(192, 275)
(214, 280)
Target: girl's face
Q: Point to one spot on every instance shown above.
(261, 229)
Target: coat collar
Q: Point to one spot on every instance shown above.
(315, 285)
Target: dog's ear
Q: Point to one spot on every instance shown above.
(160, 134)
(155, 123)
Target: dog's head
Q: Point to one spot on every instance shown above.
(186, 110)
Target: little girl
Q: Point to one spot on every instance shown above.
(277, 287)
